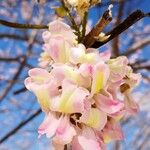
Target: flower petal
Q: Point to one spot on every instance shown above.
(131, 106)
(94, 118)
(107, 104)
(59, 28)
(64, 132)
(112, 131)
(87, 140)
(100, 77)
(49, 125)
(72, 98)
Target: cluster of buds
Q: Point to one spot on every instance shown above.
(81, 6)
(83, 93)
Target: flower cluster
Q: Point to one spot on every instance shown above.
(81, 6)
(83, 93)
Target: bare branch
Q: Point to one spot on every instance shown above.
(136, 46)
(19, 126)
(115, 42)
(147, 67)
(20, 91)
(90, 38)
(128, 22)
(15, 77)
(22, 26)
(18, 37)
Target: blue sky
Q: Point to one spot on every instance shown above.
(27, 100)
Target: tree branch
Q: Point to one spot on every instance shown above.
(19, 126)
(115, 42)
(20, 91)
(18, 37)
(22, 26)
(90, 38)
(128, 22)
(136, 47)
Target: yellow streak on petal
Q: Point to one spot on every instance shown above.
(107, 139)
(94, 118)
(89, 58)
(39, 79)
(71, 74)
(97, 83)
(43, 99)
(63, 100)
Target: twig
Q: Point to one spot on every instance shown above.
(136, 46)
(15, 77)
(22, 26)
(115, 42)
(147, 67)
(19, 126)
(19, 91)
(128, 22)
(18, 37)
(102, 23)
(84, 23)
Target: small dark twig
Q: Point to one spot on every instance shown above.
(19, 91)
(128, 22)
(90, 38)
(22, 26)
(19, 126)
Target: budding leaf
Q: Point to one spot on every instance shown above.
(60, 11)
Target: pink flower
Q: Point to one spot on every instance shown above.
(57, 127)
(83, 93)
(108, 105)
(112, 132)
(88, 139)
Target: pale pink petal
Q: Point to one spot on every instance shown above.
(49, 125)
(57, 146)
(86, 70)
(131, 106)
(77, 54)
(39, 72)
(105, 56)
(65, 131)
(112, 132)
(118, 115)
(86, 141)
(76, 100)
(100, 77)
(94, 118)
(107, 104)
(46, 36)
(72, 98)
(59, 28)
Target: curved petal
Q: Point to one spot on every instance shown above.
(72, 98)
(58, 49)
(87, 140)
(112, 131)
(46, 36)
(100, 77)
(58, 28)
(131, 106)
(86, 70)
(65, 132)
(77, 54)
(94, 118)
(49, 125)
(107, 104)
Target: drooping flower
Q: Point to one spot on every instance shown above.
(78, 90)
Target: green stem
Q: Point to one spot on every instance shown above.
(71, 19)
